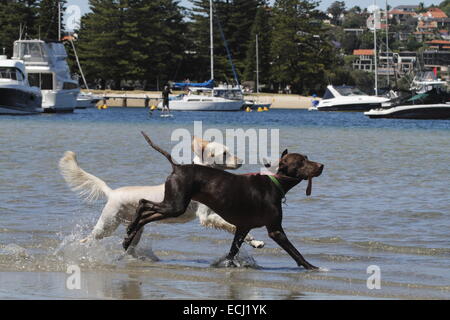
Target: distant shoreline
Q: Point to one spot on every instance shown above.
(278, 101)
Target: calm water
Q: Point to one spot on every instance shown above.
(382, 200)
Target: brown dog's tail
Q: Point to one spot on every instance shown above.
(164, 153)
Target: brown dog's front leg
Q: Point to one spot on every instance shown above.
(146, 218)
(239, 238)
(278, 235)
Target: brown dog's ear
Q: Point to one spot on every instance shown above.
(285, 152)
(198, 145)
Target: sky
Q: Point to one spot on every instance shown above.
(82, 6)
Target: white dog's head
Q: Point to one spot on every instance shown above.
(214, 154)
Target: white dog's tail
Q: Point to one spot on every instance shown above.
(88, 186)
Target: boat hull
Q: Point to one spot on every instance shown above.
(193, 105)
(17, 101)
(358, 107)
(419, 112)
(60, 101)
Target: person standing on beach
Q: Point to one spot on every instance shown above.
(165, 95)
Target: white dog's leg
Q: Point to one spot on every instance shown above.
(108, 223)
(212, 220)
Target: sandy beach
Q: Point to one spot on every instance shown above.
(278, 101)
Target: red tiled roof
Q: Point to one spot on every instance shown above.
(422, 32)
(446, 47)
(436, 13)
(363, 52)
(438, 42)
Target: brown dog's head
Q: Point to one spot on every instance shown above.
(298, 166)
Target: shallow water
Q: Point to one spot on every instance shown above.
(382, 200)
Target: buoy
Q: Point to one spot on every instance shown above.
(102, 107)
(153, 107)
(266, 109)
(260, 109)
(248, 109)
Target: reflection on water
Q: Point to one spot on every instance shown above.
(382, 200)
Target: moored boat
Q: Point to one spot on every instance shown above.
(347, 98)
(47, 69)
(16, 95)
(432, 105)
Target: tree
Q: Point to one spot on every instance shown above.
(14, 16)
(262, 28)
(300, 49)
(235, 19)
(132, 40)
(47, 18)
(445, 6)
(336, 9)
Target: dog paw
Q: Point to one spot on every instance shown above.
(257, 244)
(126, 243)
(229, 264)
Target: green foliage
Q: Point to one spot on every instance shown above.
(262, 28)
(13, 16)
(236, 18)
(300, 49)
(336, 9)
(133, 40)
(445, 6)
(47, 18)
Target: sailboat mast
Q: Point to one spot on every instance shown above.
(211, 37)
(59, 20)
(375, 45)
(257, 65)
(387, 44)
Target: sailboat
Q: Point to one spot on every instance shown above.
(207, 97)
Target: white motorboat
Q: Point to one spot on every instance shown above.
(431, 105)
(16, 95)
(426, 81)
(86, 100)
(347, 98)
(206, 99)
(47, 68)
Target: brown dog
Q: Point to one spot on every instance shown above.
(246, 201)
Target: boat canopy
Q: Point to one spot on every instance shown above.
(183, 85)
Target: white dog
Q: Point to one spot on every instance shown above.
(122, 202)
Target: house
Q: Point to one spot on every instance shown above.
(365, 60)
(434, 13)
(386, 64)
(427, 25)
(439, 60)
(438, 44)
(405, 62)
(422, 36)
(400, 16)
(407, 8)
